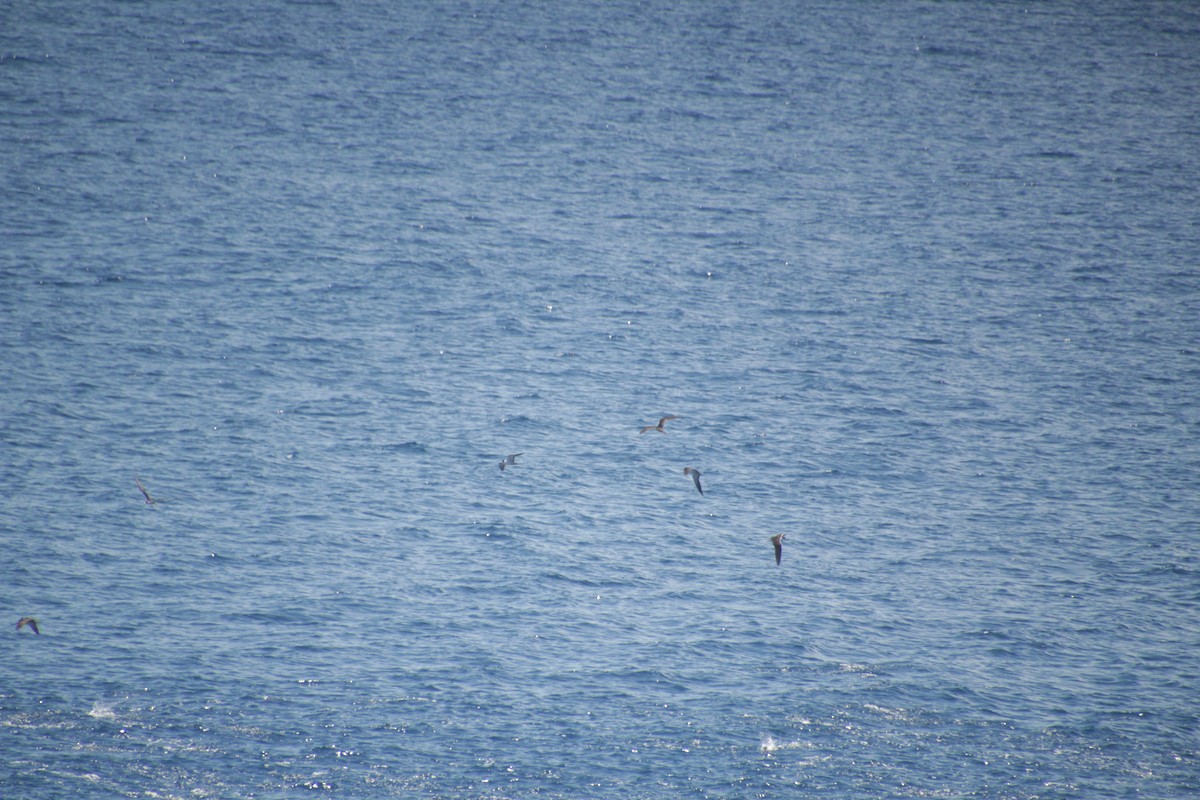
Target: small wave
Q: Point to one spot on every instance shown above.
(896, 714)
(334, 407)
(406, 447)
(522, 421)
(859, 669)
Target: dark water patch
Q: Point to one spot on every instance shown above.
(1054, 154)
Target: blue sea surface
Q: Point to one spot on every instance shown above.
(920, 281)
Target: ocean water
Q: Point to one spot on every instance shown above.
(921, 282)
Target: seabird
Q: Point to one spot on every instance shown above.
(659, 426)
(777, 540)
(31, 622)
(149, 499)
(512, 459)
(695, 473)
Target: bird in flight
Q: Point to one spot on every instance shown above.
(659, 426)
(777, 540)
(695, 473)
(31, 622)
(511, 459)
(145, 494)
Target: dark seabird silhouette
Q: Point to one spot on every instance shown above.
(659, 426)
(31, 622)
(512, 459)
(695, 473)
(149, 499)
(777, 540)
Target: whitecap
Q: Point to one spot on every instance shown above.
(771, 745)
(102, 711)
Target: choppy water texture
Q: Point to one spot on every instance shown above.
(919, 280)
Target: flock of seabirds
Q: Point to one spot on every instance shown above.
(507, 461)
(511, 459)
